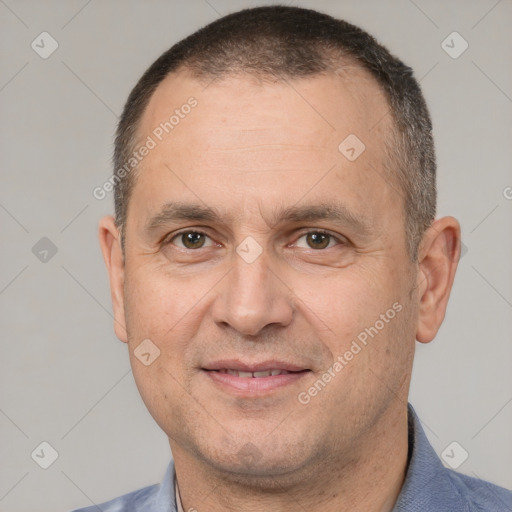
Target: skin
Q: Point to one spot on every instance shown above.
(250, 149)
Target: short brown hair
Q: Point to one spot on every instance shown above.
(291, 42)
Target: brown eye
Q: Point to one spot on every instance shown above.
(317, 240)
(190, 239)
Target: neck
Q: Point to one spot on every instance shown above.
(368, 479)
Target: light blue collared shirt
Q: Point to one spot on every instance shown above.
(428, 486)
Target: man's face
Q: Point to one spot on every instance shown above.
(259, 285)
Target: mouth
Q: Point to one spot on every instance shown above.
(246, 379)
(256, 375)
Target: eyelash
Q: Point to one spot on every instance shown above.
(169, 240)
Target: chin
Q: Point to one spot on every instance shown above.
(267, 467)
(264, 474)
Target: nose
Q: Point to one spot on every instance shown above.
(252, 296)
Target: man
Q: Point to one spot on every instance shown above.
(273, 259)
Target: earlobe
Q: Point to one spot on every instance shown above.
(110, 242)
(438, 260)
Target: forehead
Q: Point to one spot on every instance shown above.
(246, 138)
(331, 104)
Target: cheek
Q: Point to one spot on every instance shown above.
(157, 304)
(159, 318)
(346, 303)
(167, 312)
(161, 389)
(360, 315)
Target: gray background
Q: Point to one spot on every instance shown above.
(65, 378)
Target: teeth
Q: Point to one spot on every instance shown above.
(264, 373)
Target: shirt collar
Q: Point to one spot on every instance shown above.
(179, 505)
(166, 499)
(427, 485)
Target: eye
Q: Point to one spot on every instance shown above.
(193, 239)
(318, 240)
(190, 240)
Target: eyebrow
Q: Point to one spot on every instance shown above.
(173, 212)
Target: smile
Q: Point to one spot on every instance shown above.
(246, 384)
(264, 373)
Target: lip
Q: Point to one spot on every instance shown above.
(253, 386)
(246, 387)
(241, 366)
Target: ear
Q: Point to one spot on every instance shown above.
(438, 259)
(110, 242)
